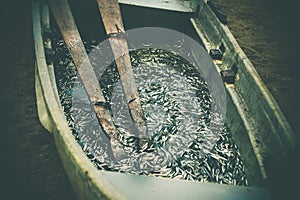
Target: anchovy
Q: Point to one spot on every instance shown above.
(174, 123)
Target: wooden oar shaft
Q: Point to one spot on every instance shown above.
(112, 20)
(65, 21)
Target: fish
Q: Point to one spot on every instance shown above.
(177, 124)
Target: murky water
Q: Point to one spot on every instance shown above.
(176, 104)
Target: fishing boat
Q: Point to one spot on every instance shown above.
(259, 129)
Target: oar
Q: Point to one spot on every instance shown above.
(112, 20)
(65, 21)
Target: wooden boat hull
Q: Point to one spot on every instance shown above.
(90, 183)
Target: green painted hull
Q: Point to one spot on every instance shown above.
(267, 132)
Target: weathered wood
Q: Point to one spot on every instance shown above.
(112, 20)
(65, 21)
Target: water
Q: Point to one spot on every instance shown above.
(176, 104)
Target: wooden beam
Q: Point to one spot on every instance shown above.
(112, 20)
(65, 21)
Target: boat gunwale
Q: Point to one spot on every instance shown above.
(52, 118)
(286, 140)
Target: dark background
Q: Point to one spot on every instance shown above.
(30, 167)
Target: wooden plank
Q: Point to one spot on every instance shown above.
(65, 21)
(172, 5)
(111, 16)
(112, 20)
